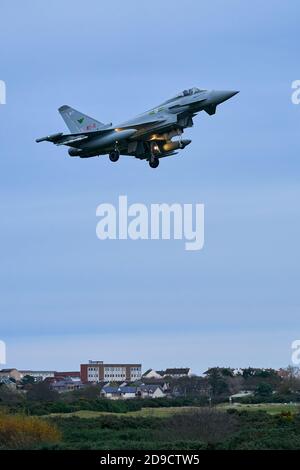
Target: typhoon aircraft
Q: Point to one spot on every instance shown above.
(148, 136)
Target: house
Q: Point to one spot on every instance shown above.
(237, 371)
(286, 373)
(153, 374)
(72, 375)
(67, 385)
(170, 372)
(38, 375)
(118, 393)
(164, 385)
(11, 374)
(8, 382)
(150, 391)
(137, 391)
(178, 372)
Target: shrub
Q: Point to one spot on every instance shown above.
(206, 425)
(25, 432)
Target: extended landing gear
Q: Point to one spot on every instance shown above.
(179, 133)
(114, 155)
(154, 162)
(153, 159)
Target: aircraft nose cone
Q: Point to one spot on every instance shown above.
(224, 95)
(230, 94)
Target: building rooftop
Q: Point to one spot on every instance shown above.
(177, 371)
(6, 381)
(118, 390)
(149, 387)
(28, 371)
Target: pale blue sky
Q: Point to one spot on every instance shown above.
(65, 296)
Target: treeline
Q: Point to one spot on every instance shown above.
(217, 385)
(265, 385)
(42, 401)
(39, 408)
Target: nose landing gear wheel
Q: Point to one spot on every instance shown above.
(114, 156)
(154, 162)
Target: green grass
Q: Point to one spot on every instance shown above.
(144, 412)
(270, 408)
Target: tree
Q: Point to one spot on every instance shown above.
(90, 392)
(248, 372)
(217, 382)
(41, 392)
(264, 390)
(256, 372)
(190, 386)
(290, 380)
(226, 371)
(9, 396)
(27, 379)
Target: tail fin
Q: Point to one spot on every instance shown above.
(78, 122)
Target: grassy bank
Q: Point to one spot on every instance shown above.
(270, 408)
(192, 429)
(236, 427)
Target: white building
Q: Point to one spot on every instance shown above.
(150, 391)
(38, 375)
(152, 374)
(127, 392)
(118, 393)
(97, 371)
(178, 372)
(170, 372)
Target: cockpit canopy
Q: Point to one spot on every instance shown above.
(188, 92)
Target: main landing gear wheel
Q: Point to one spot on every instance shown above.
(114, 156)
(154, 162)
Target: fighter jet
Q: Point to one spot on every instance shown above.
(148, 136)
